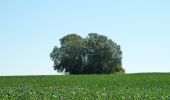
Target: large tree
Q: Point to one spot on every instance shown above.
(95, 54)
(104, 55)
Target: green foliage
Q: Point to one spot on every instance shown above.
(104, 56)
(69, 56)
(86, 87)
(95, 54)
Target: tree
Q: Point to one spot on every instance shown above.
(69, 56)
(95, 54)
(104, 56)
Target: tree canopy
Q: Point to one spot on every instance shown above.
(95, 54)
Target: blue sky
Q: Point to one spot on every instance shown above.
(29, 29)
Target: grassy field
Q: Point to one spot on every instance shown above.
(153, 86)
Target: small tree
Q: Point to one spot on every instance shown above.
(69, 56)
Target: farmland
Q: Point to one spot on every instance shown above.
(86, 87)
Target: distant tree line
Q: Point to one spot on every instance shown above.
(95, 54)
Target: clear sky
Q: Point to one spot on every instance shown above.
(29, 29)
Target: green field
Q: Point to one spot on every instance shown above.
(153, 86)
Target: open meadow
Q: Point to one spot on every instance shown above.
(150, 86)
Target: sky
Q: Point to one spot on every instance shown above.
(29, 29)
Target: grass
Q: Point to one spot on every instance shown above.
(145, 86)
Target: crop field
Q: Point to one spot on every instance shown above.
(153, 86)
